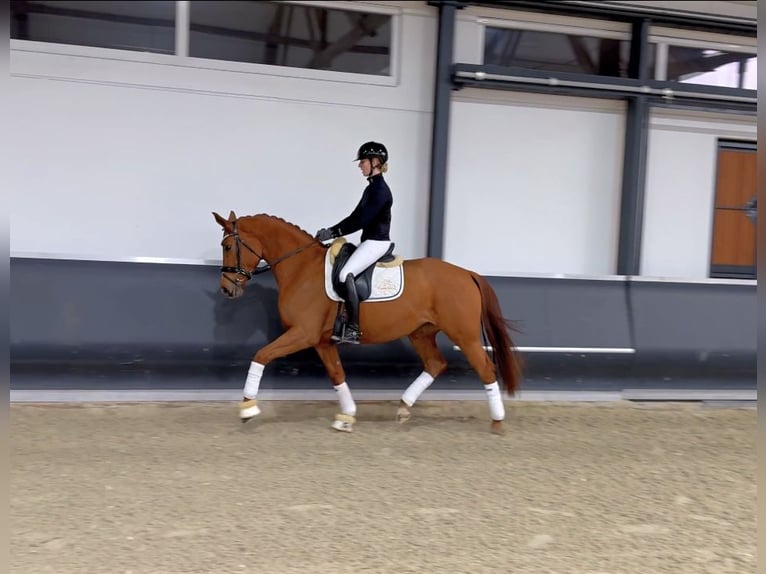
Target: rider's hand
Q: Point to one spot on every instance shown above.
(324, 234)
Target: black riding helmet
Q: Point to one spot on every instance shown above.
(370, 150)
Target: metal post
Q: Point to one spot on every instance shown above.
(634, 161)
(182, 28)
(440, 130)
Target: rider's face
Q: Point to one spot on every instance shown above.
(365, 166)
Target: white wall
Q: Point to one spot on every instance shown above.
(534, 183)
(122, 154)
(680, 190)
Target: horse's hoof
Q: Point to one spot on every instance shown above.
(403, 415)
(343, 423)
(497, 428)
(248, 410)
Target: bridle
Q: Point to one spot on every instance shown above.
(239, 270)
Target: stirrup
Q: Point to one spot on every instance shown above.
(351, 335)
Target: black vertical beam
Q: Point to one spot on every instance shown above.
(440, 129)
(634, 160)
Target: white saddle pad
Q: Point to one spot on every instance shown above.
(387, 283)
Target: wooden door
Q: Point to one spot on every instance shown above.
(734, 232)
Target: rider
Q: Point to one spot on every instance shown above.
(373, 216)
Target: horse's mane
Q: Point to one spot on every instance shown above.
(287, 223)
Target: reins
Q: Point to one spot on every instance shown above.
(258, 270)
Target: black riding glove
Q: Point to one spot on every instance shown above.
(324, 234)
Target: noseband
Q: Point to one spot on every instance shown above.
(239, 270)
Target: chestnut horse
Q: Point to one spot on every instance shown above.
(437, 296)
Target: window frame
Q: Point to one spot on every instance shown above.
(517, 24)
(181, 58)
(553, 28)
(664, 38)
(85, 50)
(393, 79)
(659, 38)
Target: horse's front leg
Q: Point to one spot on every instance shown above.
(344, 421)
(291, 341)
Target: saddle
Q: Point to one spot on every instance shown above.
(341, 250)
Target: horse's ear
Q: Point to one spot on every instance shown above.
(223, 222)
(232, 216)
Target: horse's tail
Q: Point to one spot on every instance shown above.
(508, 362)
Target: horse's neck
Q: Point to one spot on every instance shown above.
(279, 238)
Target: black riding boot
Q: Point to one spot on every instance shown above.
(351, 333)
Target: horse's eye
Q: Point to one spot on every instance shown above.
(227, 247)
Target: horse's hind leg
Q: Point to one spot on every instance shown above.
(344, 421)
(480, 361)
(434, 364)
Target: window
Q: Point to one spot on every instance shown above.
(131, 25)
(293, 35)
(705, 59)
(557, 51)
(712, 67)
(733, 252)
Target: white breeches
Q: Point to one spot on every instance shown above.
(366, 254)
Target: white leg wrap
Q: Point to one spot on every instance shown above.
(253, 380)
(347, 404)
(496, 406)
(416, 389)
(346, 401)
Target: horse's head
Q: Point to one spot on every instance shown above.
(240, 256)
